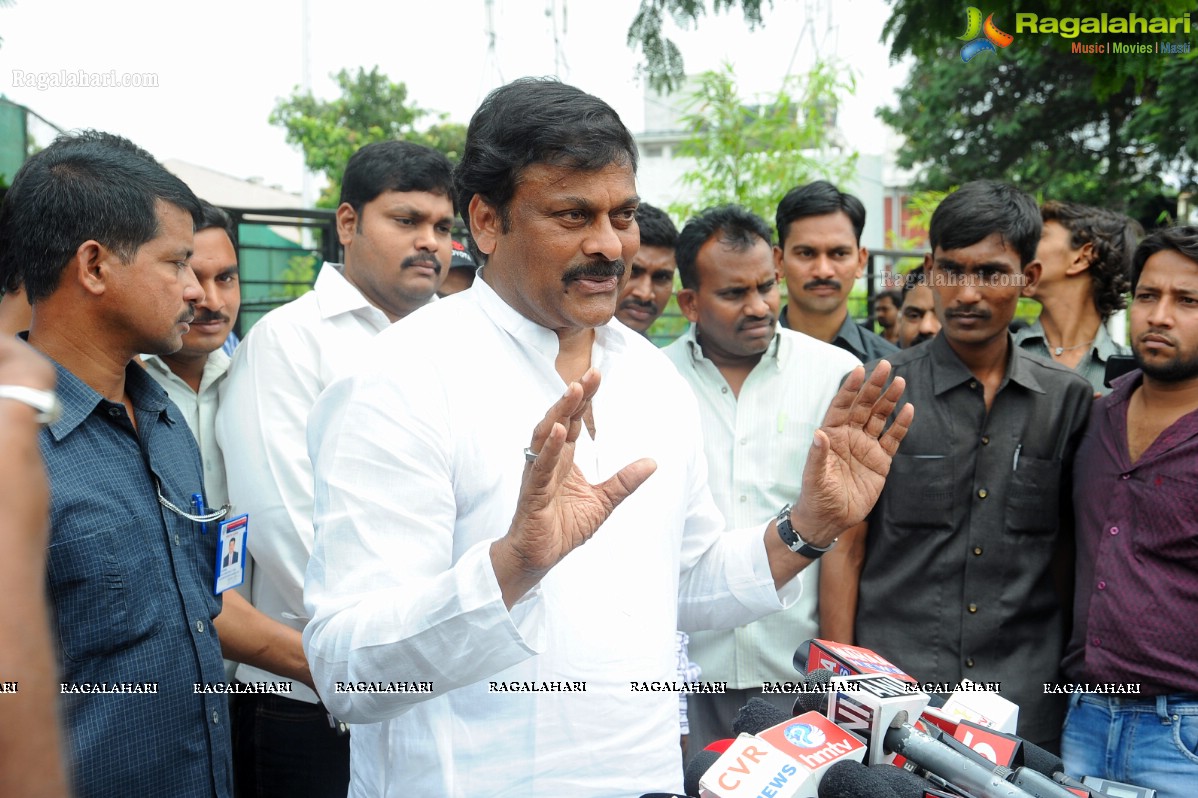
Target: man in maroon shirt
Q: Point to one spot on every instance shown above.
(1135, 494)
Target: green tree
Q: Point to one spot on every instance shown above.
(752, 155)
(663, 67)
(370, 108)
(1102, 129)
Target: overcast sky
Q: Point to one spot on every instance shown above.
(221, 65)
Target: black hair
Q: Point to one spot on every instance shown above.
(915, 277)
(1183, 240)
(86, 185)
(818, 199)
(657, 229)
(532, 121)
(212, 217)
(394, 166)
(1113, 239)
(982, 208)
(735, 226)
(895, 297)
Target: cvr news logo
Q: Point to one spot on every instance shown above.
(981, 37)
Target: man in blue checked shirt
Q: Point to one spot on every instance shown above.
(101, 235)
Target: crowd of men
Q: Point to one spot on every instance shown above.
(374, 512)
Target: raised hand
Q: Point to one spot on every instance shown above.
(850, 457)
(558, 510)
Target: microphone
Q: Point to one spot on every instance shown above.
(951, 765)
(757, 715)
(851, 779)
(814, 696)
(906, 784)
(844, 660)
(870, 705)
(1001, 749)
(700, 763)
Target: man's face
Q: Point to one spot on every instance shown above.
(918, 322)
(397, 249)
(736, 304)
(153, 297)
(820, 260)
(1164, 318)
(885, 312)
(648, 289)
(215, 265)
(977, 288)
(561, 260)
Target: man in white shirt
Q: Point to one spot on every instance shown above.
(192, 377)
(762, 392)
(455, 612)
(394, 222)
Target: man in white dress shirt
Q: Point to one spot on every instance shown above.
(456, 613)
(192, 378)
(394, 222)
(762, 392)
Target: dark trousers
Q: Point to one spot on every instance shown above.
(283, 748)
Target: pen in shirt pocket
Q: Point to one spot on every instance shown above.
(1015, 459)
(197, 501)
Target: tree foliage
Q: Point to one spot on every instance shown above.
(663, 67)
(752, 155)
(1034, 120)
(370, 108)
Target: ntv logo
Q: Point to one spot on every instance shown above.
(990, 35)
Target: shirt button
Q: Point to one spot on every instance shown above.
(1102, 585)
(215, 717)
(973, 608)
(985, 440)
(973, 383)
(115, 412)
(200, 627)
(977, 550)
(1097, 641)
(969, 662)
(1114, 530)
(982, 493)
(744, 499)
(1125, 476)
(724, 389)
(176, 538)
(743, 441)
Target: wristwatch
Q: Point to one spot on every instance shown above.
(795, 543)
(44, 402)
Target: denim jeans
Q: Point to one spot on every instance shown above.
(283, 748)
(1148, 742)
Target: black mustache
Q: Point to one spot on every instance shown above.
(421, 260)
(207, 317)
(820, 283)
(599, 270)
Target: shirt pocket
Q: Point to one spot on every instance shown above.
(1166, 516)
(1033, 504)
(919, 495)
(95, 609)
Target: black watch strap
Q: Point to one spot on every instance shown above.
(795, 543)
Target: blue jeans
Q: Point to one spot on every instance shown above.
(1148, 742)
(283, 748)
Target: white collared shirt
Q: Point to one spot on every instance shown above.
(756, 445)
(418, 461)
(280, 368)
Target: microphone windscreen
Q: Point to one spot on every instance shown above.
(699, 765)
(816, 701)
(903, 782)
(851, 779)
(1041, 761)
(757, 716)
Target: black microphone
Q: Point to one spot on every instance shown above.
(903, 782)
(814, 697)
(757, 716)
(699, 764)
(851, 779)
